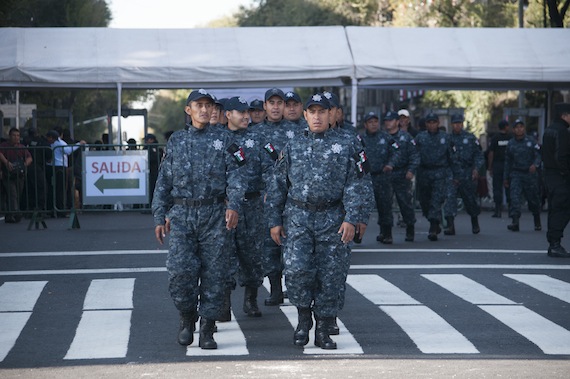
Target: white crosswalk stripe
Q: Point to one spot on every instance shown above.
(104, 329)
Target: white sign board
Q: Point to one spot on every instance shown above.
(112, 176)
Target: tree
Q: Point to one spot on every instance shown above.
(557, 12)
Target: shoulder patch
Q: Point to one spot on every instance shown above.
(238, 154)
(271, 151)
(362, 163)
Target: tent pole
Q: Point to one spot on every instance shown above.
(354, 101)
(17, 109)
(119, 94)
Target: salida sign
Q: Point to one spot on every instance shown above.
(112, 176)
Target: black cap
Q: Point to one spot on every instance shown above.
(317, 99)
(503, 124)
(457, 117)
(431, 117)
(391, 115)
(290, 95)
(150, 135)
(274, 92)
(256, 104)
(52, 133)
(562, 108)
(236, 103)
(332, 98)
(371, 115)
(518, 121)
(199, 94)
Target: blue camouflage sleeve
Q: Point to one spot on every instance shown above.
(162, 200)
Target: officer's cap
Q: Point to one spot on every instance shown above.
(53, 134)
(199, 94)
(149, 136)
(256, 104)
(274, 92)
(236, 103)
(290, 95)
(403, 112)
(370, 116)
(222, 102)
(457, 117)
(503, 124)
(517, 122)
(317, 99)
(333, 99)
(562, 108)
(431, 117)
(390, 115)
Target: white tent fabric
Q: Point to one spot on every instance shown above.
(173, 58)
(483, 58)
(461, 58)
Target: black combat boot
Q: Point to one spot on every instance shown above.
(305, 323)
(537, 223)
(207, 334)
(322, 333)
(226, 314)
(387, 234)
(250, 302)
(450, 230)
(556, 250)
(410, 232)
(276, 295)
(433, 230)
(514, 226)
(497, 213)
(335, 330)
(380, 236)
(187, 327)
(475, 225)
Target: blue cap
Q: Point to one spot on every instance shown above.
(290, 95)
(256, 104)
(503, 124)
(199, 94)
(432, 117)
(236, 103)
(456, 118)
(332, 98)
(518, 121)
(391, 115)
(317, 99)
(370, 116)
(274, 92)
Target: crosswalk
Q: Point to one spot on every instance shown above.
(104, 328)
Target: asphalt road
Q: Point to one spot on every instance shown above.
(93, 302)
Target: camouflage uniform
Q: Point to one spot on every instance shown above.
(198, 171)
(436, 172)
(402, 187)
(382, 150)
(469, 157)
(519, 156)
(315, 188)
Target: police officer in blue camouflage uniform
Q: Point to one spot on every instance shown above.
(256, 112)
(522, 159)
(436, 172)
(316, 197)
(249, 235)
(470, 160)
(275, 132)
(294, 110)
(403, 173)
(199, 171)
(382, 151)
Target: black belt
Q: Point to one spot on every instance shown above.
(315, 207)
(252, 195)
(432, 167)
(199, 202)
(376, 173)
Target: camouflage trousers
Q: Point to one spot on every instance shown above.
(316, 260)
(197, 260)
(467, 189)
(523, 183)
(402, 189)
(383, 195)
(433, 185)
(246, 245)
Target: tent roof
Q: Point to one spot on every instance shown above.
(485, 58)
(173, 58)
(461, 57)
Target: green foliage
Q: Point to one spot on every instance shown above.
(167, 112)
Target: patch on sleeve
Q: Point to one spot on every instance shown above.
(362, 163)
(271, 151)
(237, 152)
